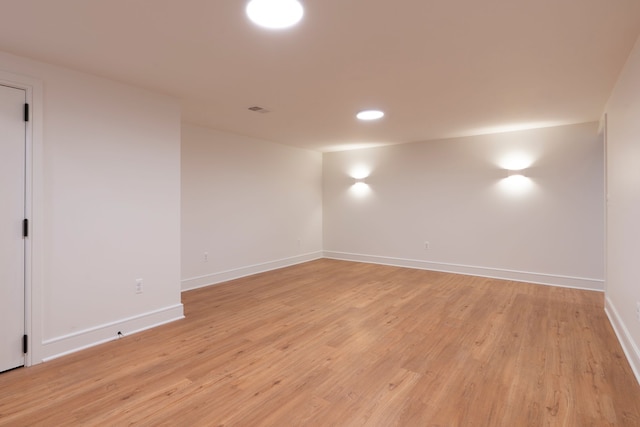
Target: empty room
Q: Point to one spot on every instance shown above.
(319, 213)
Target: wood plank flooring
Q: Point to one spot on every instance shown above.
(333, 343)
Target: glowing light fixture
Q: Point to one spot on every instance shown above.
(275, 14)
(517, 161)
(516, 173)
(370, 115)
(360, 188)
(516, 182)
(359, 172)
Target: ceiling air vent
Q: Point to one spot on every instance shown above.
(258, 109)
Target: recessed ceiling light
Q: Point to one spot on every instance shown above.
(370, 115)
(275, 14)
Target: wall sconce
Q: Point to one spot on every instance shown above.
(360, 185)
(360, 188)
(359, 174)
(516, 181)
(516, 173)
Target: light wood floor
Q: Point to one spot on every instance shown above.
(332, 343)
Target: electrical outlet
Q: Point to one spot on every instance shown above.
(205, 257)
(139, 286)
(638, 310)
(426, 245)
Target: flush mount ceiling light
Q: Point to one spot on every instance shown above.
(370, 115)
(275, 14)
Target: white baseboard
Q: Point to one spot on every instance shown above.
(626, 341)
(495, 273)
(63, 345)
(224, 276)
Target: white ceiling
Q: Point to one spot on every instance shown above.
(439, 68)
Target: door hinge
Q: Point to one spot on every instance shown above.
(25, 227)
(25, 344)
(26, 112)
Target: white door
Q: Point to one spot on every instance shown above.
(12, 211)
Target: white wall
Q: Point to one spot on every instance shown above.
(623, 207)
(106, 207)
(251, 205)
(452, 193)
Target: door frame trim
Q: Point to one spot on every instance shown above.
(33, 211)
